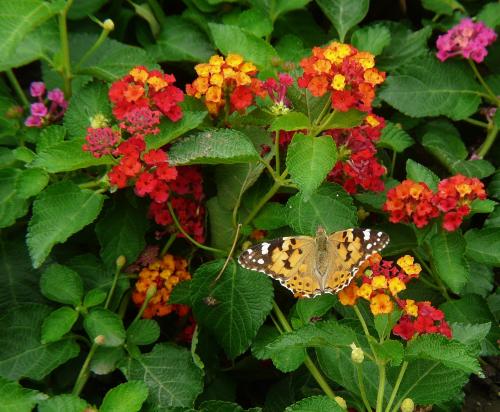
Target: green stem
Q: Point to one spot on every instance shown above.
(362, 389)
(229, 255)
(365, 329)
(491, 94)
(83, 375)
(17, 87)
(429, 270)
(263, 200)
(144, 305)
(120, 263)
(104, 34)
(490, 139)
(323, 112)
(66, 62)
(90, 185)
(381, 387)
(170, 240)
(393, 162)
(308, 361)
(157, 11)
(194, 242)
(476, 122)
(277, 151)
(396, 386)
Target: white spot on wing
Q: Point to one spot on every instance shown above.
(379, 234)
(265, 248)
(260, 261)
(366, 234)
(368, 246)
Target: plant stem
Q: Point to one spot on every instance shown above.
(143, 308)
(104, 34)
(277, 151)
(381, 387)
(429, 270)
(476, 122)
(396, 386)
(361, 386)
(115, 281)
(157, 11)
(491, 94)
(83, 375)
(393, 162)
(270, 193)
(308, 361)
(490, 139)
(229, 255)
(66, 62)
(194, 242)
(170, 240)
(17, 87)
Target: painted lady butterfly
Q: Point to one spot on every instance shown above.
(310, 266)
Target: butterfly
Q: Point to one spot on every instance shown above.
(310, 266)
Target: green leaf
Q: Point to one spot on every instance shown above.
(285, 359)
(489, 14)
(372, 38)
(90, 101)
(483, 246)
(243, 297)
(494, 186)
(82, 9)
(404, 46)
(385, 322)
(329, 206)
(450, 91)
(315, 403)
(121, 232)
(344, 14)
(394, 137)
(470, 335)
(254, 21)
(106, 324)
(402, 238)
(481, 279)
(344, 120)
(213, 146)
(21, 17)
(50, 136)
(443, 141)
(22, 355)
(474, 168)
(143, 332)
(181, 40)
(220, 221)
(63, 403)
(113, 59)
(16, 398)
(272, 216)
(446, 7)
(12, 206)
(280, 7)
(126, 397)
(170, 374)
(493, 220)
(483, 206)
(306, 309)
(290, 121)
(58, 323)
(448, 259)
(61, 284)
(439, 348)
(94, 297)
(20, 283)
(58, 212)
(31, 182)
(419, 173)
(309, 159)
(171, 130)
(106, 360)
(390, 351)
(23, 154)
(232, 39)
(67, 156)
(223, 406)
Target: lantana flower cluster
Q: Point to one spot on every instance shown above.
(347, 74)
(466, 39)
(49, 108)
(222, 81)
(381, 285)
(357, 165)
(415, 202)
(165, 273)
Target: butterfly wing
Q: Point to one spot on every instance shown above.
(348, 250)
(290, 260)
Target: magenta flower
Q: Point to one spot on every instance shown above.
(277, 89)
(38, 109)
(101, 141)
(57, 96)
(37, 89)
(467, 39)
(33, 121)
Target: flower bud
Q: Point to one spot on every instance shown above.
(97, 121)
(407, 405)
(357, 355)
(151, 291)
(100, 340)
(108, 25)
(120, 261)
(341, 401)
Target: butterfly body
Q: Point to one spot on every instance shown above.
(310, 266)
